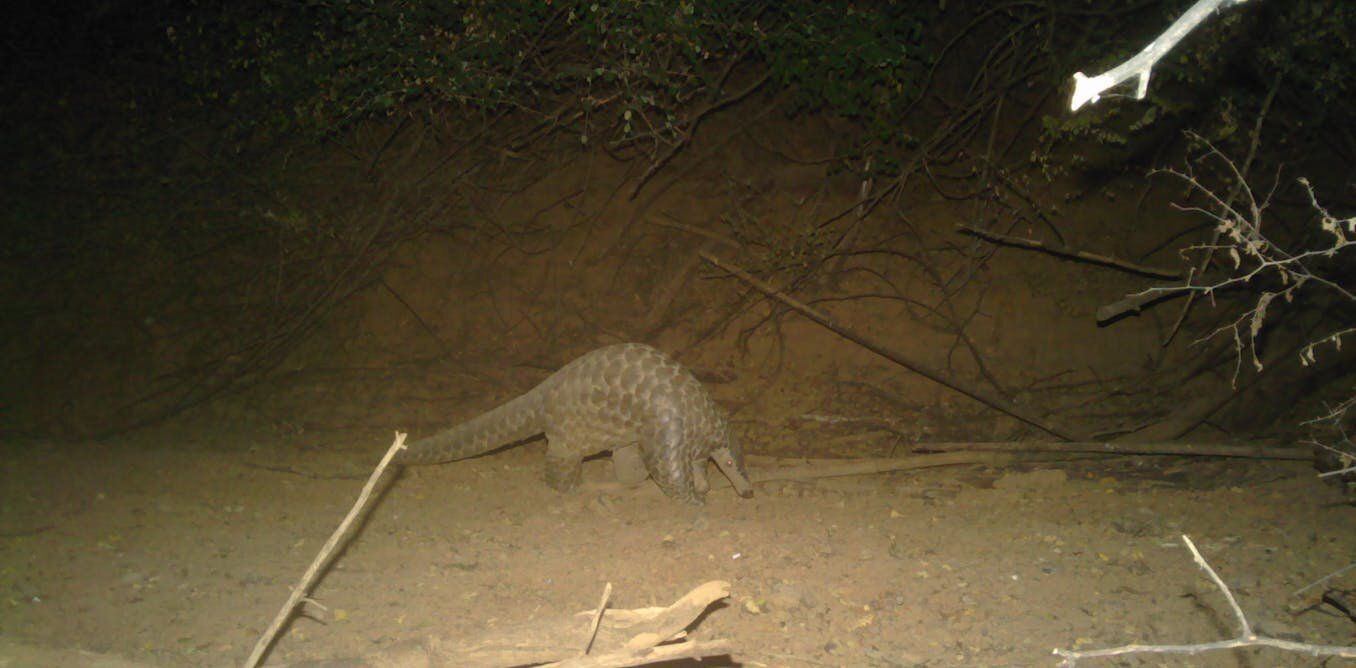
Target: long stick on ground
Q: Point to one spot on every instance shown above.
(1237, 450)
(924, 370)
(1062, 250)
(697, 650)
(323, 557)
(634, 637)
(765, 469)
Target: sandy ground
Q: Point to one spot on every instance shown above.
(180, 556)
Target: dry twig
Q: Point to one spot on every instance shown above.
(597, 619)
(322, 558)
(624, 638)
(1245, 638)
(1062, 250)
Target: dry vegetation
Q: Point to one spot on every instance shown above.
(234, 266)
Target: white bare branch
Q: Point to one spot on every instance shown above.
(1089, 89)
(1246, 636)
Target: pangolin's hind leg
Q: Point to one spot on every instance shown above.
(564, 465)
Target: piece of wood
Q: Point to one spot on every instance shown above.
(664, 654)
(813, 469)
(1134, 303)
(996, 454)
(624, 638)
(924, 370)
(999, 454)
(1062, 250)
(1246, 636)
(1240, 450)
(323, 557)
(597, 619)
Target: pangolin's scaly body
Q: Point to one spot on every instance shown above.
(652, 413)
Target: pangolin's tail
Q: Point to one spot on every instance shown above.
(514, 421)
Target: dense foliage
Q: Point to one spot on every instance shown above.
(635, 64)
(640, 72)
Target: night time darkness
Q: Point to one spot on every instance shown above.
(698, 333)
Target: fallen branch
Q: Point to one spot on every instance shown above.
(323, 557)
(767, 469)
(997, 403)
(1242, 451)
(1245, 638)
(663, 654)
(1062, 250)
(814, 469)
(624, 638)
(1303, 600)
(1135, 303)
(1323, 580)
(997, 454)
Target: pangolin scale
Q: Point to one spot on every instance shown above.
(630, 398)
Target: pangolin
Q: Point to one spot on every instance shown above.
(653, 414)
